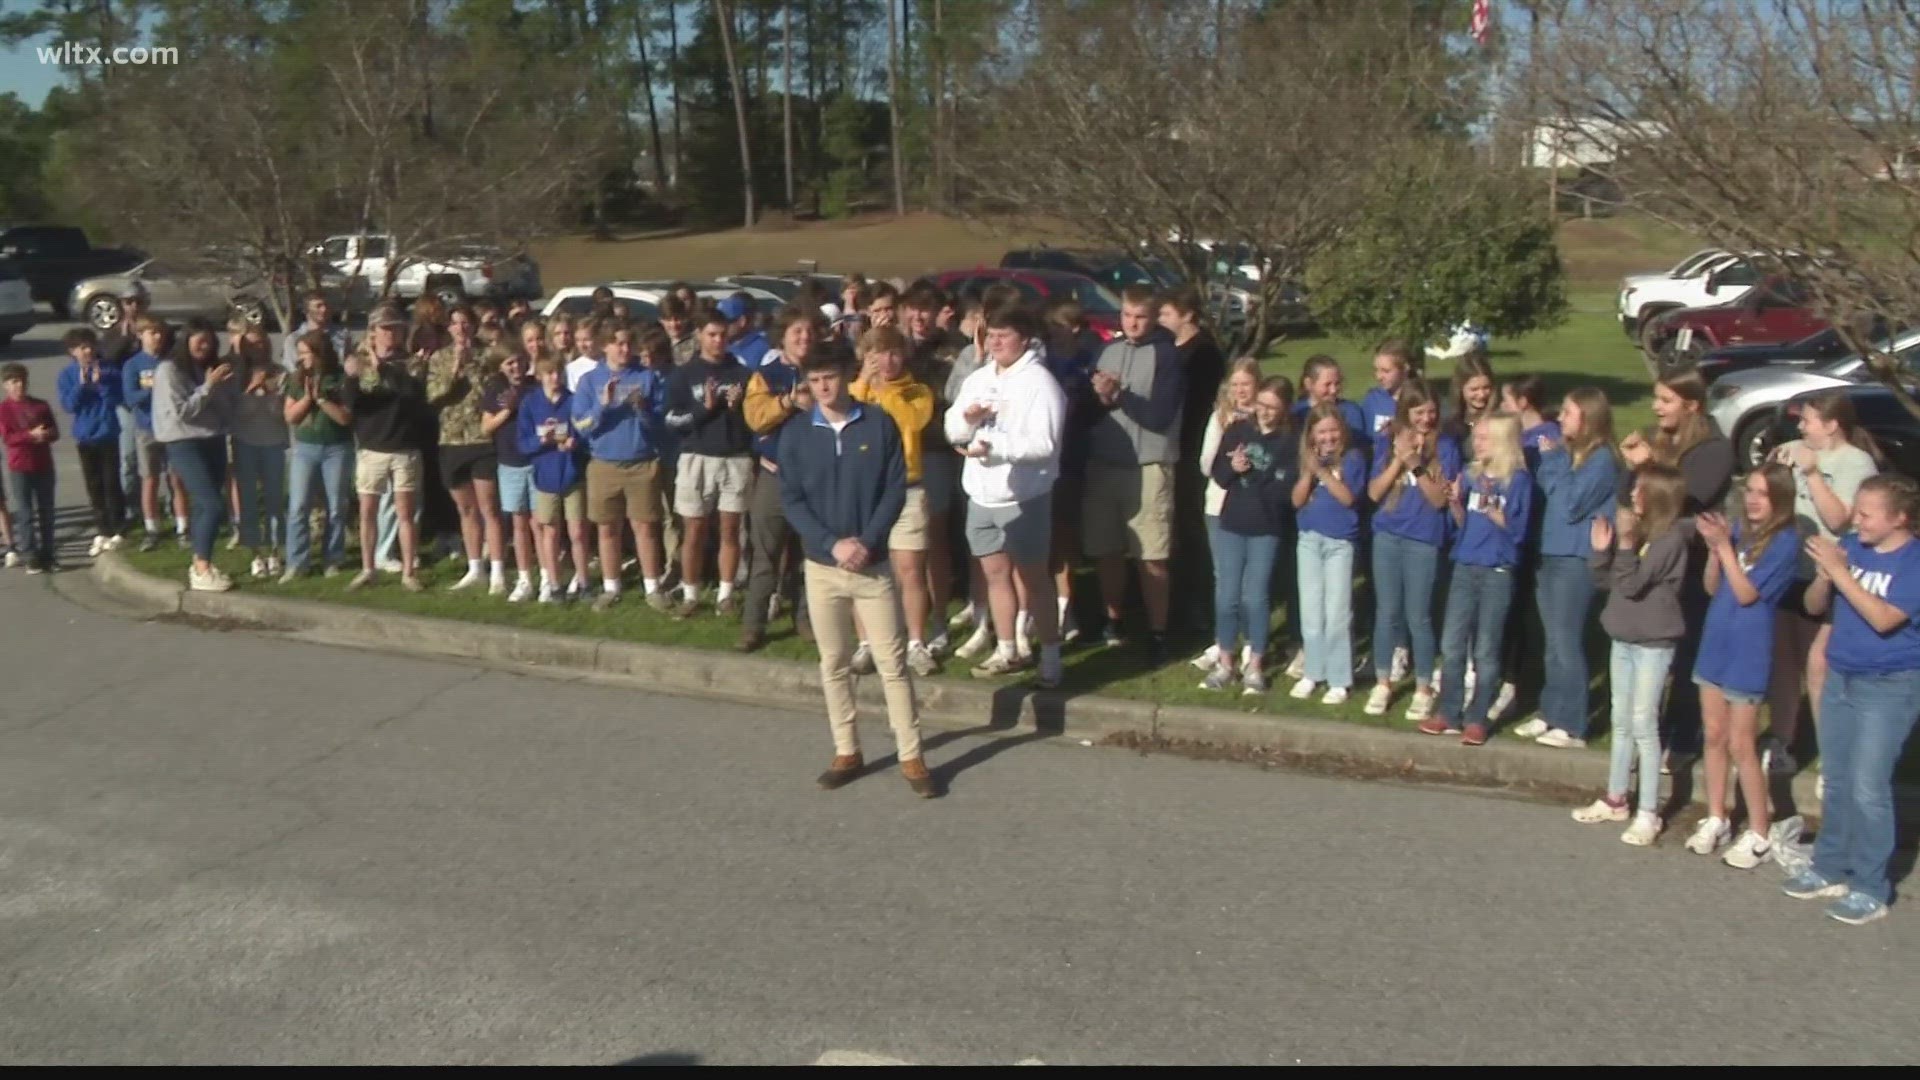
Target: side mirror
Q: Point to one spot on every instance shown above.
(1713, 284)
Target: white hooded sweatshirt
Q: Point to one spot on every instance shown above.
(1022, 437)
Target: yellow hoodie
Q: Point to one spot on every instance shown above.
(910, 403)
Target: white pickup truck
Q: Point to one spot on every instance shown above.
(1706, 277)
(466, 273)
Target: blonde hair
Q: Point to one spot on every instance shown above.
(1503, 430)
(1663, 494)
(1326, 410)
(1596, 424)
(1223, 401)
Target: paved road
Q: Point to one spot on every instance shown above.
(223, 847)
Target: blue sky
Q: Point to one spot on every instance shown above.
(21, 71)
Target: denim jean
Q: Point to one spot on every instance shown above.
(333, 463)
(1242, 580)
(129, 462)
(201, 465)
(1326, 607)
(1639, 678)
(1680, 721)
(1864, 722)
(1403, 575)
(262, 477)
(1477, 603)
(1563, 590)
(32, 497)
(388, 547)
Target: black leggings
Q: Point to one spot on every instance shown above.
(100, 465)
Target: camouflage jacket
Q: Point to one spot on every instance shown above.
(455, 390)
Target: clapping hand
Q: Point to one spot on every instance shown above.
(707, 393)
(1635, 450)
(1457, 490)
(1714, 530)
(1626, 524)
(1827, 557)
(1407, 446)
(979, 413)
(731, 394)
(610, 392)
(42, 433)
(1106, 386)
(1803, 458)
(979, 448)
(1601, 534)
(1239, 461)
(220, 373)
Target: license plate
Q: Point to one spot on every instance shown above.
(1685, 339)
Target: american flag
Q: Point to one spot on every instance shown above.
(1482, 21)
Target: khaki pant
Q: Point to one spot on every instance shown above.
(833, 595)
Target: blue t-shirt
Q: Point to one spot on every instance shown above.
(1530, 441)
(1378, 408)
(1411, 516)
(1324, 514)
(1856, 648)
(1483, 543)
(1356, 420)
(1736, 642)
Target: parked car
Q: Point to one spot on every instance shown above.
(468, 272)
(1815, 348)
(190, 292)
(16, 302)
(53, 257)
(1101, 306)
(1708, 276)
(1892, 425)
(1777, 310)
(784, 285)
(1117, 270)
(643, 299)
(1743, 403)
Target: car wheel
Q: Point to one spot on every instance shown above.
(1751, 440)
(251, 310)
(103, 312)
(449, 293)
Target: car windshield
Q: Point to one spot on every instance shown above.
(1094, 297)
(1693, 262)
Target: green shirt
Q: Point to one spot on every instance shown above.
(318, 427)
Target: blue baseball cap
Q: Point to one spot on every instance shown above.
(735, 308)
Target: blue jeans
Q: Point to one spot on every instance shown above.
(334, 464)
(32, 497)
(1563, 589)
(201, 465)
(1864, 722)
(1639, 677)
(1477, 605)
(1403, 574)
(388, 547)
(1326, 607)
(129, 461)
(1242, 577)
(262, 477)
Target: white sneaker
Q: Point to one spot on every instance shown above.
(212, 580)
(1297, 667)
(113, 542)
(862, 662)
(497, 586)
(360, 580)
(1819, 782)
(1466, 684)
(1252, 683)
(1378, 699)
(1208, 660)
(13, 559)
(258, 569)
(1600, 810)
(522, 591)
(1710, 834)
(1421, 708)
(549, 595)
(99, 545)
(1336, 695)
(1644, 830)
(1303, 689)
(1401, 663)
(920, 660)
(963, 619)
(1749, 851)
(1532, 729)
(274, 564)
(1503, 701)
(1560, 740)
(976, 645)
(1069, 628)
(940, 644)
(390, 566)
(468, 581)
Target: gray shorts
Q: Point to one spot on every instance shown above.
(1023, 531)
(151, 453)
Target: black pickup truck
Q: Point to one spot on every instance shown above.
(54, 257)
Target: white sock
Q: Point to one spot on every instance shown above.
(689, 590)
(726, 590)
(579, 583)
(546, 580)
(1063, 611)
(499, 569)
(525, 578)
(866, 646)
(476, 567)
(152, 525)
(916, 643)
(652, 584)
(1005, 649)
(180, 524)
(612, 585)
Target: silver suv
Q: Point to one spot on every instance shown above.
(1744, 402)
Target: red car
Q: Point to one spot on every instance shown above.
(1777, 310)
(1101, 306)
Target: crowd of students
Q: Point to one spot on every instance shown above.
(849, 470)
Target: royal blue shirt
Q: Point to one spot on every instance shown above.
(1530, 442)
(628, 429)
(555, 471)
(1323, 513)
(136, 388)
(1571, 498)
(1378, 409)
(1356, 420)
(1856, 648)
(1736, 642)
(1483, 543)
(1409, 515)
(93, 405)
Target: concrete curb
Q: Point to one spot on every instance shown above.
(944, 703)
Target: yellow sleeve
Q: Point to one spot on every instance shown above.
(915, 408)
(764, 410)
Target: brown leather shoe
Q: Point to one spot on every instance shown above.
(845, 769)
(751, 640)
(919, 779)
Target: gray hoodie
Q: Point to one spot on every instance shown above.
(183, 410)
(1643, 601)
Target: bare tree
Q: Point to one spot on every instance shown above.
(1784, 127)
(893, 108)
(739, 104)
(786, 94)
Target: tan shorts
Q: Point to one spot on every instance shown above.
(625, 491)
(708, 483)
(1128, 511)
(374, 470)
(910, 531)
(567, 507)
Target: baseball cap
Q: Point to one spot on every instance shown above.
(134, 291)
(735, 308)
(387, 316)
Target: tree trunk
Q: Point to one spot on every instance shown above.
(739, 105)
(646, 84)
(673, 79)
(786, 94)
(938, 99)
(893, 109)
(813, 102)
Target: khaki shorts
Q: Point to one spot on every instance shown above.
(708, 483)
(564, 508)
(1128, 511)
(375, 470)
(625, 491)
(910, 531)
